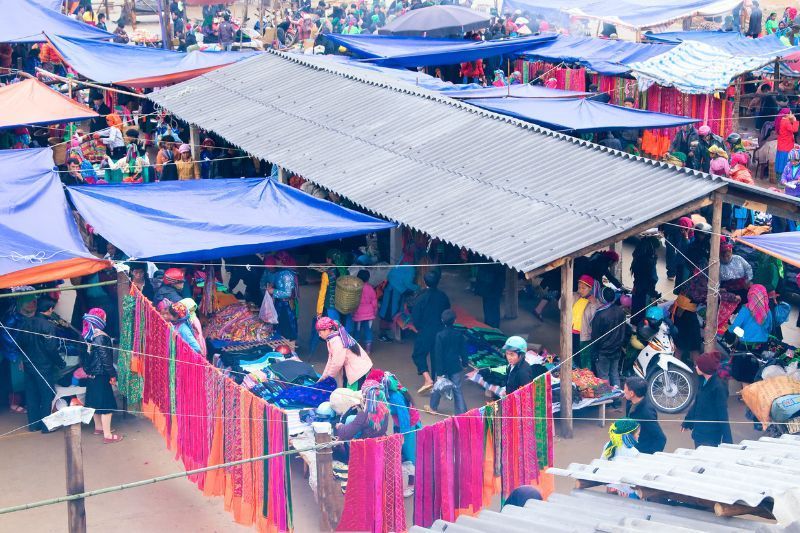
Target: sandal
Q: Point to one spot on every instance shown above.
(18, 409)
(425, 388)
(113, 439)
(100, 432)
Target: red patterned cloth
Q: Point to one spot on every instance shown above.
(469, 461)
(374, 497)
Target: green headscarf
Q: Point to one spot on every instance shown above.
(620, 434)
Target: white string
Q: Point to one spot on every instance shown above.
(34, 258)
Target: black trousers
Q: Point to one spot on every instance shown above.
(423, 345)
(491, 310)
(38, 396)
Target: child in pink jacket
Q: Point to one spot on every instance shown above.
(366, 313)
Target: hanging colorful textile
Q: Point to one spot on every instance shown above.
(207, 419)
(129, 381)
(469, 462)
(434, 488)
(373, 500)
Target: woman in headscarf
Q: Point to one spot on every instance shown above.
(622, 437)
(735, 273)
(551, 83)
(133, 165)
(194, 322)
(401, 406)
(790, 177)
(165, 160)
(515, 78)
(754, 317)
(688, 339)
(99, 366)
(499, 79)
(371, 415)
(179, 316)
(719, 165)
(346, 358)
(740, 171)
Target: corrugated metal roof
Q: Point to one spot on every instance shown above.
(752, 473)
(589, 511)
(514, 192)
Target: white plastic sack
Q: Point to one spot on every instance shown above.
(268, 314)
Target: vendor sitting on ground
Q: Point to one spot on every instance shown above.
(180, 318)
(364, 414)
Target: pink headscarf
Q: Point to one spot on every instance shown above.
(93, 320)
(551, 83)
(758, 302)
(686, 222)
(740, 158)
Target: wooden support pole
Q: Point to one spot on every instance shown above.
(165, 42)
(712, 304)
(395, 245)
(618, 265)
(329, 493)
(565, 349)
(512, 293)
(76, 511)
(194, 141)
(282, 175)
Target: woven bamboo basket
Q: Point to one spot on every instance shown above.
(59, 150)
(348, 294)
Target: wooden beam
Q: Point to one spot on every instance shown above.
(194, 142)
(512, 294)
(76, 510)
(565, 350)
(726, 509)
(712, 303)
(672, 214)
(773, 206)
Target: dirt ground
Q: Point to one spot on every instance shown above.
(32, 464)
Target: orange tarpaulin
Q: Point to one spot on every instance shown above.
(32, 102)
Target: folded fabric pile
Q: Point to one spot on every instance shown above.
(484, 346)
(238, 323)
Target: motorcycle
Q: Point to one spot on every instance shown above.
(671, 384)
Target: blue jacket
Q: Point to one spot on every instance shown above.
(186, 333)
(753, 331)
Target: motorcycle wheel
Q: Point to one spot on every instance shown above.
(678, 396)
(290, 39)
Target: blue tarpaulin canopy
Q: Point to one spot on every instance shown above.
(208, 219)
(39, 240)
(732, 42)
(26, 21)
(578, 114)
(138, 66)
(604, 56)
(784, 246)
(423, 52)
(629, 13)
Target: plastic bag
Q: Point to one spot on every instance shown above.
(268, 313)
(444, 386)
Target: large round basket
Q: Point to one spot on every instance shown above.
(348, 294)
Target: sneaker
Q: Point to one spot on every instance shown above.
(407, 493)
(425, 388)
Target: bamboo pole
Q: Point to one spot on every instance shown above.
(565, 370)
(57, 289)
(712, 303)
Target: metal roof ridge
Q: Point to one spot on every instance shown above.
(404, 87)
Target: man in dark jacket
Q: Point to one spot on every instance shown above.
(41, 361)
(708, 417)
(639, 408)
(608, 337)
(448, 359)
(756, 16)
(489, 285)
(427, 316)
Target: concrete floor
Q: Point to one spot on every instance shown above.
(32, 464)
